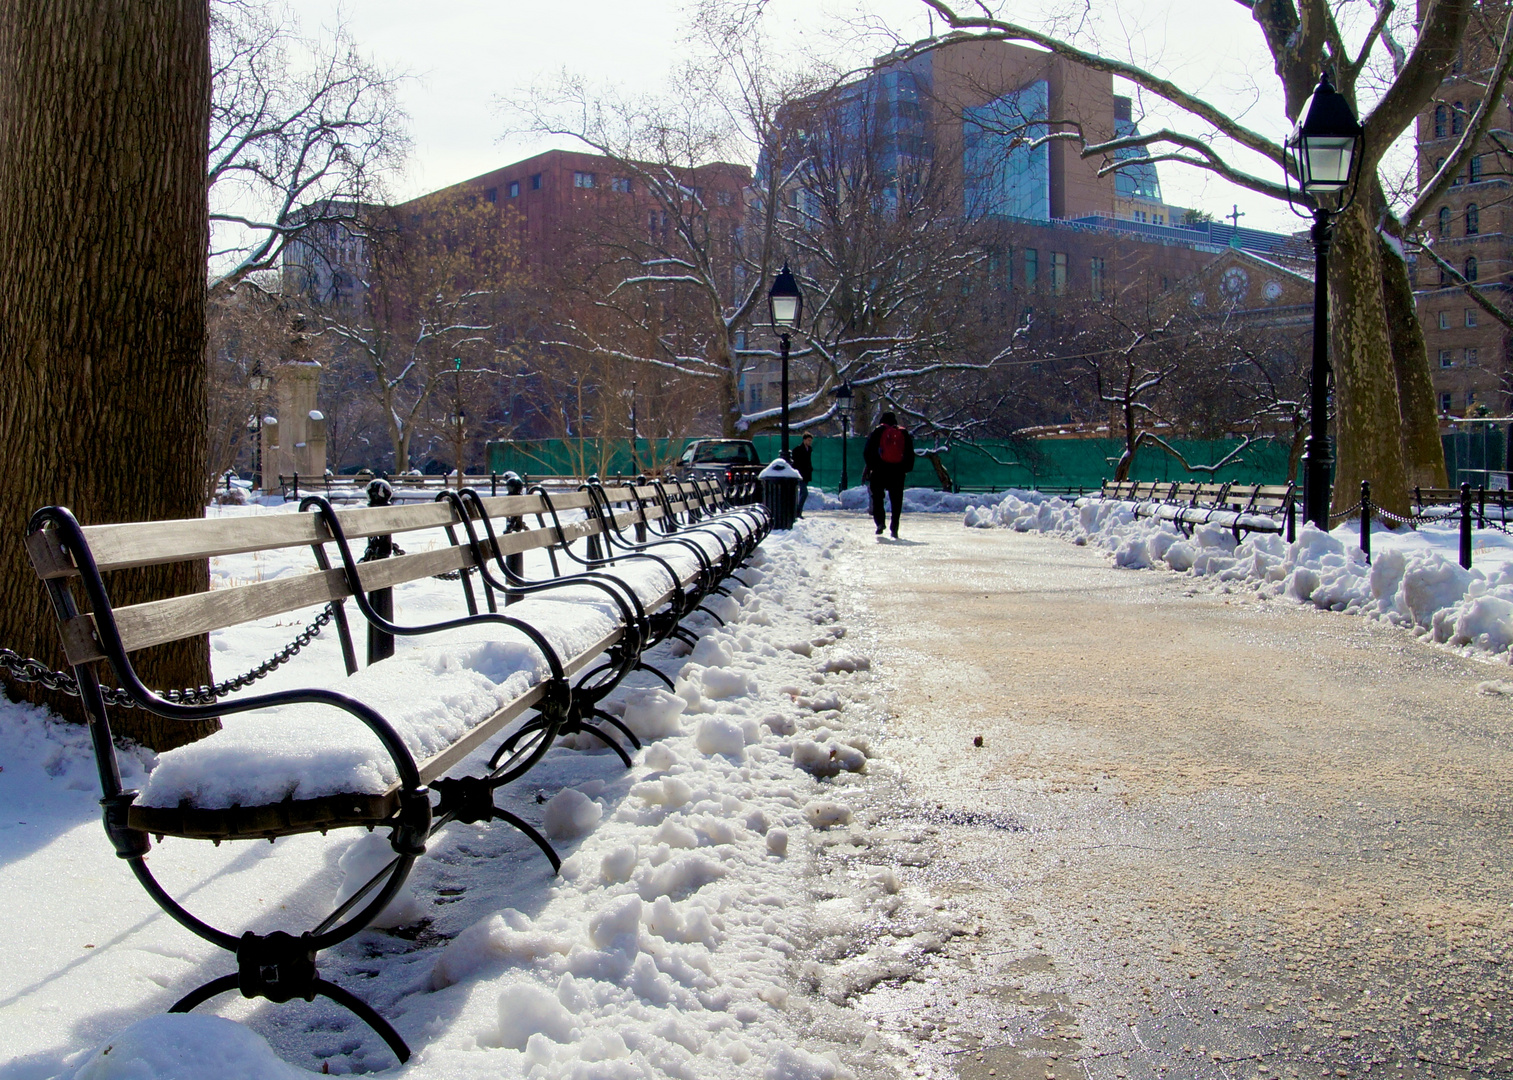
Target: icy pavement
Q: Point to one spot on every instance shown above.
(1209, 832)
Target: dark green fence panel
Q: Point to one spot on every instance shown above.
(1474, 452)
(985, 466)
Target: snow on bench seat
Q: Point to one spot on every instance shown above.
(433, 692)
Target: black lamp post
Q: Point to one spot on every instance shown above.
(259, 384)
(785, 304)
(1325, 147)
(843, 398)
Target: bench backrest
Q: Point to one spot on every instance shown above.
(173, 618)
(1251, 498)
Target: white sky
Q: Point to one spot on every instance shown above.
(465, 56)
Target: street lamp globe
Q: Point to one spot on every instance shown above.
(1326, 142)
(785, 301)
(843, 398)
(257, 381)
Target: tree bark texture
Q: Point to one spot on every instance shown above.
(1369, 419)
(104, 117)
(1423, 452)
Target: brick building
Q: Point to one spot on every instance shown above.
(561, 200)
(1471, 229)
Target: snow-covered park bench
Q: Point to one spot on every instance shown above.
(1242, 508)
(397, 745)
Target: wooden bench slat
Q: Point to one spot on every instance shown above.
(157, 622)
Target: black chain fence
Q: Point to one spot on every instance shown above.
(28, 670)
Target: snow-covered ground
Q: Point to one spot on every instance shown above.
(666, 947)
(1414, 579)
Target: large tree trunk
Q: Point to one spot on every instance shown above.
(1369, 425)
(1423, 452)
(104, 117)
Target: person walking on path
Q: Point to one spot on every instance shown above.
(803, 461)
(889, 458)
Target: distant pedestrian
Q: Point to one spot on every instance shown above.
(803, 461)
(889, 457)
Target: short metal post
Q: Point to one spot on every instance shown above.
(296, 485)
(380, 644)
(1481, 507)
(514, 563)
(1366, 519)
(493, 484)
(1465, 526)
(1292, 518)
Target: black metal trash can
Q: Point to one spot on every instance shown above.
(780, 493)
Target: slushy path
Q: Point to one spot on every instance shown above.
(1205, 835)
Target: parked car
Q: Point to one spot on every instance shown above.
(732, 461)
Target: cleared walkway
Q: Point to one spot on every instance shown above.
(1205, 835)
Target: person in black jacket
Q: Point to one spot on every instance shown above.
(803, 461)
(889, 457)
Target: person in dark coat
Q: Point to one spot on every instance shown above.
(803, 461)
(889, 458)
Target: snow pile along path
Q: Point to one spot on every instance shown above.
(1414, 581)
(672, 944)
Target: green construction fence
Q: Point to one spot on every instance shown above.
(982, 466)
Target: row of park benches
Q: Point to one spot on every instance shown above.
(741, 486)
(534, 655)
(1242, 508)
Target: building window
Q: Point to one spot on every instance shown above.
(514, 189)
(1031, 267)
(1441, 121)
(492, 194)
(1470, 316)
(1471, 357)
(535, 181)
(1444, 320)
(1471, 268)
(1444, 221)
(1457, 119)
(1058, 273)
(1470, 399)
(1476, 169)
(583, 179)
(1095, 278)
(619, 183)
(1444, 359)
(1473, 220)
(1444, 403)
(722, 198)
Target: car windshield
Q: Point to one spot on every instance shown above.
(736, 453)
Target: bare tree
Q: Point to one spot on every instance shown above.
(436, 294)
(296, 121)
(673, 279)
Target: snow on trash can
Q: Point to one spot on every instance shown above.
(780, 492)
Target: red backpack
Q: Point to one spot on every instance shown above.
(892, 446)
